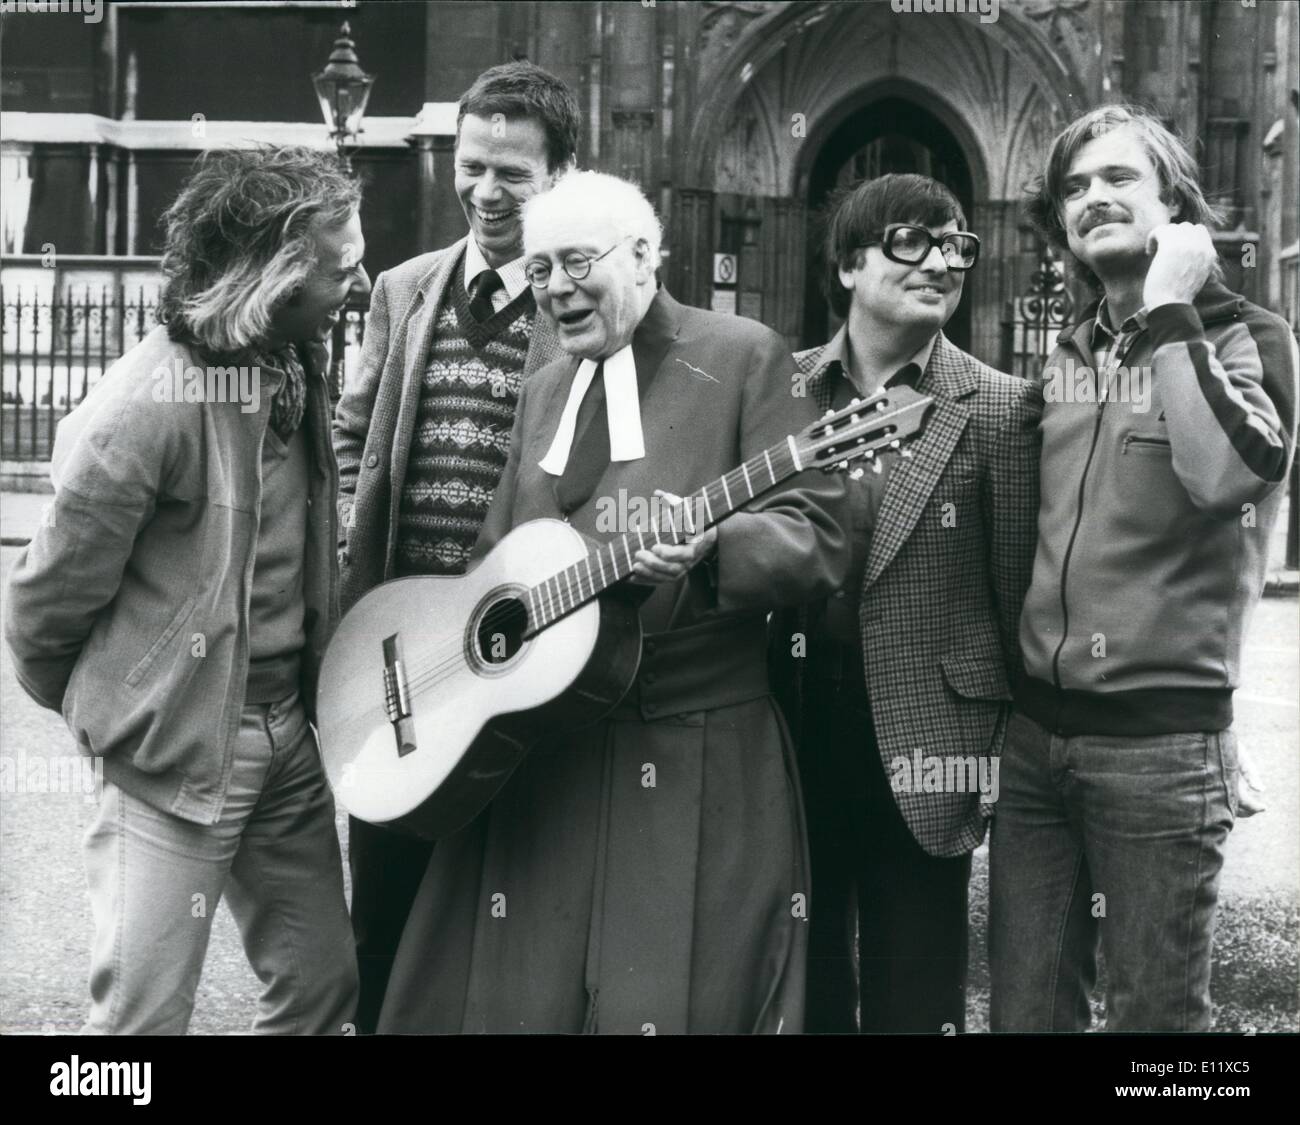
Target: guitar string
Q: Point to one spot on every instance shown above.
(449, 659)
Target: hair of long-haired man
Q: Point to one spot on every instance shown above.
(239, 240)
(1175, 166)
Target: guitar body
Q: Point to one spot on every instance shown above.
(429, 695)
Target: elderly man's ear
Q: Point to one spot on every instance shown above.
(645, 268)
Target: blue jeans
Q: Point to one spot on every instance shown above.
(1117, 837)
(155, 881)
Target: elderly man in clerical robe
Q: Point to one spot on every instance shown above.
(650, 872)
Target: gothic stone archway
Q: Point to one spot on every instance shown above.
(784, 76)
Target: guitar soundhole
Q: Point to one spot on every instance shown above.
(500, 633)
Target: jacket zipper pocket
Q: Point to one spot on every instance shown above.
(1142, 441)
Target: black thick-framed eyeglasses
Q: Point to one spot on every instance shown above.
(576, 265)
(910, 245)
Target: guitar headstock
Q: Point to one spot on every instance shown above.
(884, 420)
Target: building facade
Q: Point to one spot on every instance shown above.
(737, 118)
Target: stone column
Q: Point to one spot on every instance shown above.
(691, 234)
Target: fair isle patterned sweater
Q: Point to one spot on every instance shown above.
(462, 430)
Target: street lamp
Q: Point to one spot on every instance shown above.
(343, 89)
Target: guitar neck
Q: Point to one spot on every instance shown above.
(576, 585)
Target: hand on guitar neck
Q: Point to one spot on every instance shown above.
(666, 562)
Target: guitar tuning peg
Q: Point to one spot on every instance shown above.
(854, 401)
(877, 466)
(906, 455)
(828, 414)
(895, 444)
(857, 473)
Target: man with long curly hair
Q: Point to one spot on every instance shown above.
(176, 604)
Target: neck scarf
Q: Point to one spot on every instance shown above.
(289, 402)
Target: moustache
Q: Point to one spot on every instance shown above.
(1097, 218)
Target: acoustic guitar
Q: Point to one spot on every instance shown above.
(433, 688)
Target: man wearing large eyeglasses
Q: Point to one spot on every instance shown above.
(897, 685)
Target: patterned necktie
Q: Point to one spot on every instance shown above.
(480, 305)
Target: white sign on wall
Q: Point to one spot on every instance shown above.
(724, 269)
(724, 301)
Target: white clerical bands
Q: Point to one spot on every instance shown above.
(622, 409)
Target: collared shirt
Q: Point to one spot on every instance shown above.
(513, 281)
(837, 351)
(866, 488)
(1110, 347)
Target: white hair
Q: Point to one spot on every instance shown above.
(596, 196)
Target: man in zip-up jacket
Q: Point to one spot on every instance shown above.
(1168, 426)
(176, 603)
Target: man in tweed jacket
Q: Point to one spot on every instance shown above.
(423, 434)
(902, 678)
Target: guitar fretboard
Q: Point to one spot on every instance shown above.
(576, 585)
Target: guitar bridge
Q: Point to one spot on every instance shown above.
(397, 697)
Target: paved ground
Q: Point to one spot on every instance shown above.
(20, 513)
(45, 924)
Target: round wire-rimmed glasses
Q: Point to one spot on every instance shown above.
(576, 265)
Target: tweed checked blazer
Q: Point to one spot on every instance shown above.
(945, 578)
(375, 418)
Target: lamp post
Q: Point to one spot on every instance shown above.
(343, 89)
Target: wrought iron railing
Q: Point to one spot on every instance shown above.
(54, 347)
(1034, 320)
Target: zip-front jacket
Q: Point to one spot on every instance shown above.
(129, 609)
(1155, 519)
